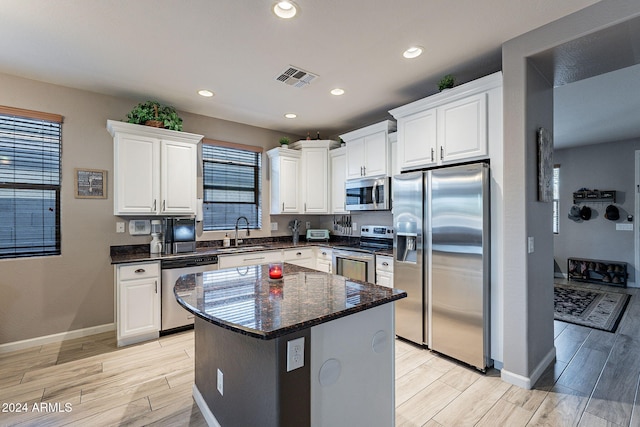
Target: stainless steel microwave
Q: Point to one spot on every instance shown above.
(368, 194)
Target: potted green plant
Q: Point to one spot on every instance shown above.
(152, 113)
(284, 142)
(446, 82)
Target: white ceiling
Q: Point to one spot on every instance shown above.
(169, 49)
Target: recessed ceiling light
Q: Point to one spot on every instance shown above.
(291, 115)
(206, 93)
(285, 9)
(337, 91)
(413, 52)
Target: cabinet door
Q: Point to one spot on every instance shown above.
(376, 154)
(463, 129)
(315, 175)
(384, 278)
(178, 177)
(417, 140)
(136, 175)
(355, 158)
(139, 307)
(338, 177)
(289, 185)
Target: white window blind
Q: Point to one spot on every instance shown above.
(232, 185)
(30, 156)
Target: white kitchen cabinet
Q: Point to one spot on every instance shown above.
(300, 177)
(137, 302)
(384, 271)
(450, 127)
(285, 182)
(304, 257)
(245, 259)
(338, 166)
(368, 150)
(155, 170)
(324, 259)
(315, 180)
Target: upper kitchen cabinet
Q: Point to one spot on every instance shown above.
(155, 170)
(450, 127)
(368, 150)
(300, 177)
(284, 171)
(338, 163)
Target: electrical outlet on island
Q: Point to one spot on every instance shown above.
(295, 354)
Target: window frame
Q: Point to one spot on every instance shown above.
(257, 178)
(40, 249)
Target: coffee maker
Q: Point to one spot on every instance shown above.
(157, 244)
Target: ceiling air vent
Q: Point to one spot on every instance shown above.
(296, 77)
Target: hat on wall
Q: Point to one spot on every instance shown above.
(585, 213)
(574, 213)
(612, 213)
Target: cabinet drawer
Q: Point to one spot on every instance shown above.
(384, 263)
(248, 258)
(138, 271)
(324, 254)
(297, 254)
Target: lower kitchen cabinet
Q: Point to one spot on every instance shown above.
(304, 257)
(324, 259)
(384, 271)
(137, 302)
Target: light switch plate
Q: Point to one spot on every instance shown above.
(274, 226)
(119, 227)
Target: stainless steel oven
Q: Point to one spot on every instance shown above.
(359, 262)
(355, 264)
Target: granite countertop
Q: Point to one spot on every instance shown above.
(246, 301)
(141, 253)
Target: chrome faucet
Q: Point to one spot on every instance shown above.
(237, 222)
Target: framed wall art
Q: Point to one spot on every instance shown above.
(545, 165)
(90, 183)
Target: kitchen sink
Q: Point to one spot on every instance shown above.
(242, 248)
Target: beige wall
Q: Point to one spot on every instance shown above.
(49, 295)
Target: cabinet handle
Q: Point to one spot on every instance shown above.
(140, 270)
(324, 253)
(154, 205)
(361, 173)
(298, 253)
(282, 206)
(305, 206)
(364, 171)
(441, 152)
(156, 286)
(386, 264)
(164, 205)
(432, 154)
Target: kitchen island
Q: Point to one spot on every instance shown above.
(310, 349)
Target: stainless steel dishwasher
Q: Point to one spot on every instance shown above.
(174, 317)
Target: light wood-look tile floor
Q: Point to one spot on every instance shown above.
(91, 382)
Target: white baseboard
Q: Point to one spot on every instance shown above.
(529, 382)
(63, 336)
(204, 408)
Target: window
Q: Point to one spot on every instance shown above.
(232, 185)
(30, 152)
(556, 199)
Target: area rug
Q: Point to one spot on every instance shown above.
(589, 307)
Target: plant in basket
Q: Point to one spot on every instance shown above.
(152, 113)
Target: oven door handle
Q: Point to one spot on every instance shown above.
(352, 255)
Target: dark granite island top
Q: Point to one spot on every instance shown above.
(245, 300)
(312, 349)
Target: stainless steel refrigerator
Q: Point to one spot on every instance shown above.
(441, 258)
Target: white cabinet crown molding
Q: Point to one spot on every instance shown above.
(114, 126)
(482, 84)
(386, 125)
